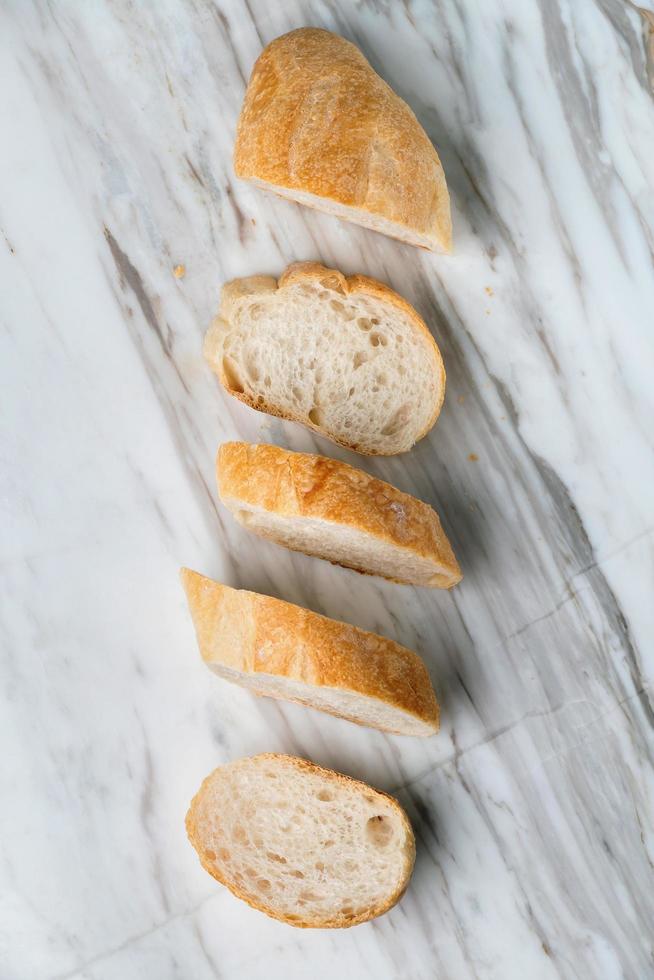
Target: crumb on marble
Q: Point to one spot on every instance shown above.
(489, 290)
(179, 271)
(473, 457)
(487, 312)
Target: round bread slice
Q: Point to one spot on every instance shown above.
(347, 357)
(280, 650)
(331, 510)
(319, 126)
(303, 844)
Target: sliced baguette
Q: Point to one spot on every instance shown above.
(303, 844)
(320, 127)
(280, 650)
(329, 509)
(347, 357)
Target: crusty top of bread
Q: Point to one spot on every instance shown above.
(318, 120)
(303, 486)
(363, 370)
(306, 845)
(382, 684)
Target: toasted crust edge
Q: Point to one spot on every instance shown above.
(237, 463)
(349, 285)
(422, 707)
(332, 776)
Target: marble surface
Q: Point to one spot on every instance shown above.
(534, 807)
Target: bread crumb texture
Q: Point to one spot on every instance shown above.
(303, 844)
(347, 357)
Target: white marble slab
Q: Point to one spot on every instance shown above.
(534, 806)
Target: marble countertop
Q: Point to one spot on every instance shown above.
(534, 806)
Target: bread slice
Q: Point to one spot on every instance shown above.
(348, 358)
(329, 509)
(306, 845)
(282, 651)
(320, 127)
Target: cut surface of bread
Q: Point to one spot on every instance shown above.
(319, 126)
(331, 510)
(283, 651)
(303, 844)
(347, 357)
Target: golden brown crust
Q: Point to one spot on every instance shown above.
(313, 272)
(330, 775)
(253, 633)
(318, 119)
(303, 485)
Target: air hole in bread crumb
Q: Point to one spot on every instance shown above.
(337, 307)
(307, 896)
(315, 416)
(275, 857)
(267, 381)
(328, 843)
(211, 855)
(232, 376)
(297, 394)
(325, 795)
(378, 831)
(296, 873)
(374, 321)
(224, 854)
(251, 873)
(260, 400)
(252, 370)
(381, 379)
(350, 865)
(359, 358)
(364, 323)
(397, 421)
(347, 910)
(263, 885)
(319, 866)
(378, 338)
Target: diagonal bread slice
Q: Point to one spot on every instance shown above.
(303, 844)
(347, 357)
(280, 650)
(329, 509)
(320, 127)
